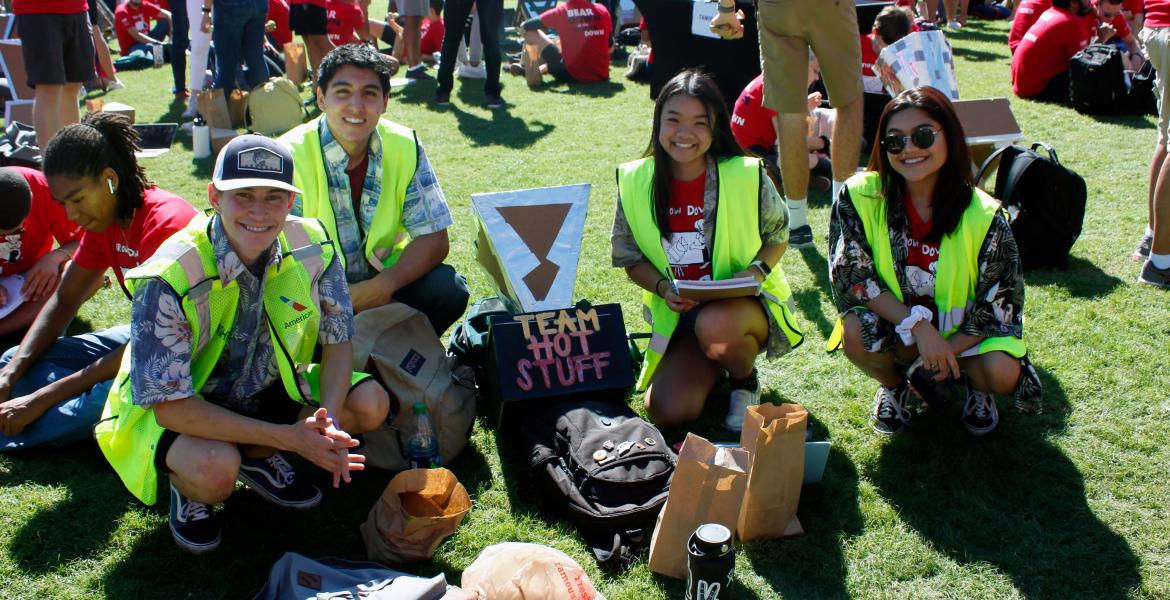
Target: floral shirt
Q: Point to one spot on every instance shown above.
(424, 210)
(161, 335)
(998, 308)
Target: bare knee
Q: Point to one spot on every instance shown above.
(667, 409)
(367, 406)
(852, 342)
(999, 372)
(208, 469)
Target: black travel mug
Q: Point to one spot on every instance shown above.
(710, 563)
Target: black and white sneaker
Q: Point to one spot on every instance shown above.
(1142, 252)
(801, 237)
(980, 416)
(1154, 276)
(274, 479)
(193, 524)
(890, 415)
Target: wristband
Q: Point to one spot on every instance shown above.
(726, 9)
(763, 267)
(904, 329)
(656, 292)
(206, 10)
(68, 256)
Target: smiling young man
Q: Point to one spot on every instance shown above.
(226, 319)
(369, 182)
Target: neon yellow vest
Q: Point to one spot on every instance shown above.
(958, 259)
(386, 238)
(737, 241)
(127, 433)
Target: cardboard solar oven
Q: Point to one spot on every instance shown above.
(548, 347)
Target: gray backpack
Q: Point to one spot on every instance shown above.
(296, 577)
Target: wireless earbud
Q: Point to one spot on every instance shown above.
(110, 182)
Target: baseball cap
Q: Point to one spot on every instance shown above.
(254, 160)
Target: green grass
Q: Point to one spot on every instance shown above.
(1068, 504)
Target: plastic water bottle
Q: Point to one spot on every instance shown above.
(422, 449)
(200, 138)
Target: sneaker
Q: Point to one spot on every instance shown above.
(470, 71)
(737, 407)
(193, 524)
(1143, 248)
(980, 416)
(954, 25)
(114, 85)
(441, 98)
(496, 101)
(274, 479)
(801, 237)
(418, 73)
(1154, 276)
(890, 415)
(820, 183)
(514, 68)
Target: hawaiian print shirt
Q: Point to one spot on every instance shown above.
(424, 210)
(161, 335)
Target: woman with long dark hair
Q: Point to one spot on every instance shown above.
(926, 274)
(91, 170)
(696, 207)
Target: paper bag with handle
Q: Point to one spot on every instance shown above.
(708, 487)
(296, 65)
(212, 104)
(774, 434)
(418, 510)
(237, 103)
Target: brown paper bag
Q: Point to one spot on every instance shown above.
(213, 106)
(237, 107)
(418, 510)
(519, 571)
(774, 434)
(296, 64)
(707, 487)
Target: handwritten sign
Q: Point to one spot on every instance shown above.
(565, 351)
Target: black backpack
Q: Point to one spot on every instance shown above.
(602, 466)
(1096, 81)
(1045, 200)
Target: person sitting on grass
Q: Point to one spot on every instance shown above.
(227, 317)
(369, 181)
(665, 230)
(136, 36)
(1040, 62)
(586, 39)
(925, 272)
(47, 384)
(29, 224)
(391, 32)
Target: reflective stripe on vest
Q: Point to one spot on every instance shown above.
(736, 240)
(386, 238)
(128, 434)
(958, 259)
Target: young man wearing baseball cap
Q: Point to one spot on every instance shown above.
(218, 378)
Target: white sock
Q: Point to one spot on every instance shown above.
(837, 185)
(1149, 231)
(1160, 261)
(797, 213)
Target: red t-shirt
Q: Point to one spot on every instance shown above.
(161, 214)
(127, 18)
(751, 121)
(1046, 49)
(921, 261)
(341, 20)
(585, 29)
(1027, 14)
(320, 3)
(278, 13)
(53, 7)
(1132, 6)
(46, 222)
(1120, 25)
(686, 248)
(1157, 13)
(432, 36)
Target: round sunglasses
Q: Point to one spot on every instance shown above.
(923, 137)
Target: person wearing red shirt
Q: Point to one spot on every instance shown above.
(132, 25)
(891, 24)
(1040, 63)
(307, 19)
(1154, 246)
(343, 20)
(29, 224)
(432, 34)
(586, 39)
(1107, 25)
(1134, 12)
(57, 47)
(279, 34)
(91, 171)
(1027, 12)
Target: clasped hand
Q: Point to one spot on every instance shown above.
(729, 26)
(323, 443)
(935, 351)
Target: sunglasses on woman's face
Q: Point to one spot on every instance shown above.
(923, 137)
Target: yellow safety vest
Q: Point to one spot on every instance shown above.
(737, 241)
(958, 259)
(386, 238)
(127, 433)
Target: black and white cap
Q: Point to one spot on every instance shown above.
(254, 160)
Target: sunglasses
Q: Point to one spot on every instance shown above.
(923, 137)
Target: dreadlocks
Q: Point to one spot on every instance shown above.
(99, 141)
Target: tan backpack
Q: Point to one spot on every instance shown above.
(274, 107)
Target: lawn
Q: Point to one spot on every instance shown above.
(1072, 503)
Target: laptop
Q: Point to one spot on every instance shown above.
(155, 139)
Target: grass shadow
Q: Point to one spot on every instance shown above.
(1127, 121)
(1082, 279)
(976, 32)
(979, 55)
(1014, 501)
(811, 300)
(830, 514)
(500, 129)
(600, 89)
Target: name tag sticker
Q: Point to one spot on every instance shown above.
(701, 18)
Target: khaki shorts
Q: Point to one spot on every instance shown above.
(788, 28)
(1157, 43)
